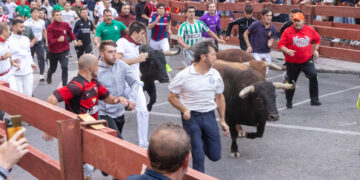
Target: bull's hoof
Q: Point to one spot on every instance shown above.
(242, 134)
(234, 154)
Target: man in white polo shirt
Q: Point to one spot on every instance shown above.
(128, 51)
(196, 91)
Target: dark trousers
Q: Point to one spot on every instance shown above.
(293, 70)
(115, 123)
(85, 48)
(38, 48)
(63, 59)
(242, 42)
(205, 139)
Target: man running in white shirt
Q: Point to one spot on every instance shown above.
(19, 46)
(69, 16)
(11, 6)
(38, 28)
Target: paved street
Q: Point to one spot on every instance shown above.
(306, 143)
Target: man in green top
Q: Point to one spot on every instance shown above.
(190, 32)
(23, 9)
(109, 29)
(60, 5)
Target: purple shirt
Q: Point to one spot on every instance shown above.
(259, 36)
(212, 22)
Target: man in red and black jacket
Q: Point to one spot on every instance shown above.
(296, 42)
(57, 35)
(82, 93)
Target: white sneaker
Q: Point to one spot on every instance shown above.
(42, 78)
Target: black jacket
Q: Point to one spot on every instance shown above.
(82, 30)
(139, 10)
(243, 24)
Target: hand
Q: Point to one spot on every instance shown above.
(6, 55)
(187, 47)
(290, 52)
(316, 54)
(61, 39)
(122, 101)
(35, 40)
(75, 43)
(97, 45)
(142, 57)
(13, 150)
(227, 38)
(131, 106)
(169, 31)
(159, 17)
(34, 66)
(47, 137)
(79, 43)
(15, 63)
(186, 115)
(270, 42)
(221, 41)
(224, 127)
(249, 50)
(72, 21)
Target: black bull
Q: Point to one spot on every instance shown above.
(154, 69)
(250, 100)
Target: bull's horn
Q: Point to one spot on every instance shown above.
(279, 85)
(172, 53)
(272, 65)
(246, 91)
(246, 63)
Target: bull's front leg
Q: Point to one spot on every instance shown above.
(260, 131)
(234, 147)
(150, 88)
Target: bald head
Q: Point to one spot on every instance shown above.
(86, 61)
(168, 148)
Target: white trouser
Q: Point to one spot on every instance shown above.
(263, 56)
(25, 83)
(142, 115)
(161, 45)
(148, 35)
(10, 78)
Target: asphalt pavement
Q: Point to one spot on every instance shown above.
(306, 143)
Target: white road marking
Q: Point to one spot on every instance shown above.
(348, 124)
(325, 95)
(160, 104)
(284, 126)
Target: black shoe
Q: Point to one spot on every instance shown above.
(315, 103)
(104, 173)
(48, 78)
(288, 104)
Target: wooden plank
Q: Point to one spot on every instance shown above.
(283, 9)
(3, 83)
(177, 18)
(352, 34)
(119, 157)
(70, 149)
(197, 5)
(340, 53)
(343, 11)
(178, 4)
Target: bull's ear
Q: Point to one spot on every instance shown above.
(246, 91)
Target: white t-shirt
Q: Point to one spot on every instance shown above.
(99, 7)
(37, 27)
(4, 64)
(69, 16)
(11, 6)
(20, 49)
(197, 92)
(129, 51)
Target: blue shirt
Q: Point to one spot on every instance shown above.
(259, 36)
(148, 175)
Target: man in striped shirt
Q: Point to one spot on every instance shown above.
(190, 32)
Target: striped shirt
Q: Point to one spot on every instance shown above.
(158, 32)
(192, 33)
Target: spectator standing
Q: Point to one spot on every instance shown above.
(38, 27)
(57, 34)
(107, 6)
(90, 4)
(125, 17)
(19, 47)
(69, 16)
(109, 29)
(7, 65)
(128, 51)
(139, 11)
(76, 7)
(48, 8)
(115, 75)
(190, 32)
(3, 17)
(33, 4)
(12, 7)
(82, 30)
(262, 34)
(160, 26)
(165, 164)
(212, 20)
(243, 24)
(296, 44)
(60, 6)
(196, 91)
(23, 9)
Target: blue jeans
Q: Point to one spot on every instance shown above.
(205, 139)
